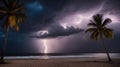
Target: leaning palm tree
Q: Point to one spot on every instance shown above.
(11, 13)
(99, 30)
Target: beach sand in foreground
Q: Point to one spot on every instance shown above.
(60, 63)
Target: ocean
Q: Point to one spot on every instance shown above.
(84, 55)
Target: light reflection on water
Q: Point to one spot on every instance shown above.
(87, 55)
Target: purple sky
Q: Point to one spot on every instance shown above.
(57, 26)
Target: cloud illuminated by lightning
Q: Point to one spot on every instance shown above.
(80, 19)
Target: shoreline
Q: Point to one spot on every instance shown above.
(83, 57)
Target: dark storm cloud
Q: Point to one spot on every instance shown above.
(42, 14)
(56, 30)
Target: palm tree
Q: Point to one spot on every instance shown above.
(12, 14)
(99, 30)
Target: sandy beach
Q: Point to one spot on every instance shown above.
(60, 63)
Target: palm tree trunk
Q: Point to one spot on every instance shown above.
(4, 45)
(105, 47)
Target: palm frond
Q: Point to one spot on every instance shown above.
(94, 35)
(99, 29)
(14, 3)
(108, 33)
(5, 3)
(14, 12)
(17, 27)
(19, 8)
(98, 19)
(2, 8)
(21, 17)
(106, 21)
(108, 29)
(92, 24)
(12, 21)
(3, 12)
(91, 30)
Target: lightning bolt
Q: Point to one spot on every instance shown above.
(45, 46)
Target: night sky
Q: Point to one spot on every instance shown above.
(58, 26)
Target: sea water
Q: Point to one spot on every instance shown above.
(85, 55)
